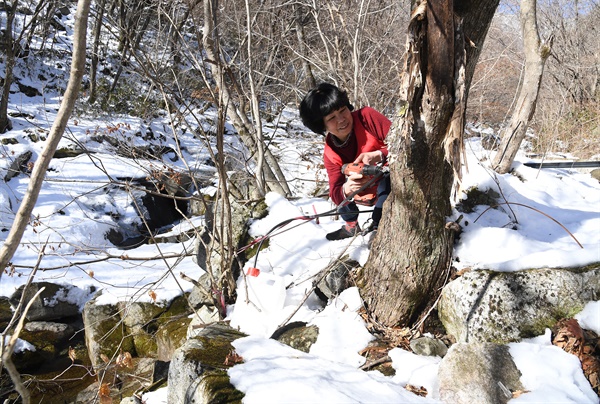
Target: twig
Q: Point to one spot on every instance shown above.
(315, 283)
(379, 361)
(192, 281)
(534, 209)
(14, 374)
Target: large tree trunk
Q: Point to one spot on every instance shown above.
(536, 53)
(411, 254)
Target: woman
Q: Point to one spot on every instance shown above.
(350, 137)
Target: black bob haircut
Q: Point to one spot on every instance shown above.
(320, 102)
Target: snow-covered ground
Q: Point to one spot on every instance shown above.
(75, 210)
(73, 213)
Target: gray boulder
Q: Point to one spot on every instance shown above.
(428, 346)
(18, 165)
(55, 302)
(487, 306)
(478, 373)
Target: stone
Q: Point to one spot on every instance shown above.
(136, 315)
(105, 334)
(122, 383)
(145, 344)
(203, 316)
(6, 312)
(49, 332)
(170, 336)
(428, 346)
(501, 307)
(55, 302)
(69, 151)
(483, 373)
(197, 373)
(297, 335)
(18, 165)
(200, 294)
(336, 278)
(214, 386)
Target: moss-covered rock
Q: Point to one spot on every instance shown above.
(5, 312)
(297, 335)
(198, 369)
(500, 307)
(217, 388)
(9, 140)
(170, 336)
(70, 151)
(137, 315)
(145, 344)
(52, 303)
(475, 197)
(105, 334)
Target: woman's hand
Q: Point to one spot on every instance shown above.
(354, 183)
(370, 158)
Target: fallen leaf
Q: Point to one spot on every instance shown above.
(72, 354)
(152, 295)
(517, 393)
(104, 394)
(233, 358)
(125, 360)
(568, 335)
(419, 391)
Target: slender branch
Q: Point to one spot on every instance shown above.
(8, 350)
(534, 209)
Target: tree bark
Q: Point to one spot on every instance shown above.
(308, 76)
(95, 50)
(536, 53)
(66, 108)
(411, 254)
(5, 124)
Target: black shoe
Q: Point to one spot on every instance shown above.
(344, 232)
(371, 227)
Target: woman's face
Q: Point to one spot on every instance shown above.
(339, 123)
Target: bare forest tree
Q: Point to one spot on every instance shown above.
(410, 258)
(536, 53)
(498, 72)
(568, 107)
(8, 45)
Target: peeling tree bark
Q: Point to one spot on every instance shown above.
(536, 53)
(411, 254)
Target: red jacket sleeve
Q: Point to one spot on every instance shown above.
(336, 180)
(377, 124)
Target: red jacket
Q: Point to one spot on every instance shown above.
(370, 131)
